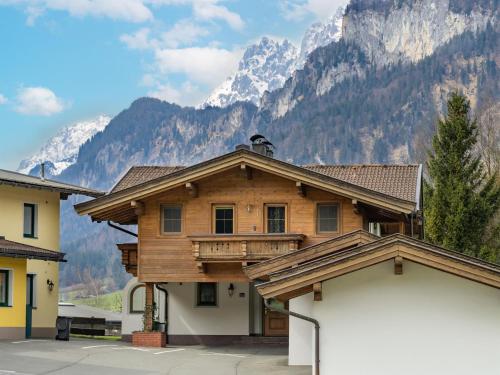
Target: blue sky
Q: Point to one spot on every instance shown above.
(64, 61)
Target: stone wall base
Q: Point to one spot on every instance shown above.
(12, 333)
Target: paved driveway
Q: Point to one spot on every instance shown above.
(96, 357)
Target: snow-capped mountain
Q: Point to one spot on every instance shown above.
(319, 35)
(61, 151)
(266, 66)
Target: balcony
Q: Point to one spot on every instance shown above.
(243, 247)
(129, 257)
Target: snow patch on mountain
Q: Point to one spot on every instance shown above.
(267, 65)
(61, 150)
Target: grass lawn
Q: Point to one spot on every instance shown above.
(110, 301)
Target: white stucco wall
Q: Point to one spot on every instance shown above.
(301, 332)
(230, 317)
(422, 322)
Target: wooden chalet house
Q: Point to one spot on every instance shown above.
(199, 226)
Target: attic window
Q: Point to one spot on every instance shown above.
(172, 219)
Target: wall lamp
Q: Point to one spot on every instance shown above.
(230, 290)
(50, 285)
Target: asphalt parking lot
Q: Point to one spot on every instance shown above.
(84, 357)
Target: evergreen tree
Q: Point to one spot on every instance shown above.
(460, 199)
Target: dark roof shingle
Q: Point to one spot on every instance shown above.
(20, 179)
(13, 249)
(399, 181)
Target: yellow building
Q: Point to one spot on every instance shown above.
(29, 283)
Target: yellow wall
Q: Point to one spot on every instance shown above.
(12, 201)
(15, 315)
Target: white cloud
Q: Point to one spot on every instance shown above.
(187, 95)
(321, 9)
(38, 101)
(206, 65)
(123, 10)
(184, 32)
(139, 40)
(209, 10)
(3, 99)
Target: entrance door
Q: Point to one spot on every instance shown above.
(29, 304)
(275, 323)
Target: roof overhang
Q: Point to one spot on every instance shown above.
(300, 280)
(253, 160)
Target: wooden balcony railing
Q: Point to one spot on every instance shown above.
(243, 247)
(129, 257)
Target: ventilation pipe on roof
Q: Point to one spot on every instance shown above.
(42, 171)
(271, 306)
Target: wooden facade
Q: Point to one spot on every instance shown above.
(173, 257)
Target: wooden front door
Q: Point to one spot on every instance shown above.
(275, 323)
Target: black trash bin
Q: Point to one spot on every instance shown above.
(63, 325)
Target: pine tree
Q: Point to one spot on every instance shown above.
(460, 200)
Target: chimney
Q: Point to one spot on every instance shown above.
(42, 171)
(242, 147)
(261, 145)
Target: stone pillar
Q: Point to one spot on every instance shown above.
(148, 325)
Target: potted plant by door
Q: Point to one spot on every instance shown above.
(149, 336)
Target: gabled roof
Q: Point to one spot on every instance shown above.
(400, 181)
(24, 180)
(309, 253)
(180, 176)
(299, 280)
(13, 249)
(140, 174)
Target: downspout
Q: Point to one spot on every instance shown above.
(303, 317)
(165, 292)
(121, 229)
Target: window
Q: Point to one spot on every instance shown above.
(276, 218)
(327, 219)
(172, 219)
(29, 220)
(224, 219)
(137, 299)
(4, 288)
(206, 294)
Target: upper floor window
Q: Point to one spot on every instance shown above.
(206, 294)
(137, 300)
(30, 217)
(276, 218)
(4, 288)
(327, 217)
(224, 219)
(171, 219)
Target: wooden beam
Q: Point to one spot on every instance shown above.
(318, 292)
(398, 265)
(139, 208)
(247, 171)
(201, 267)
(301, 189)
(192, 189)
